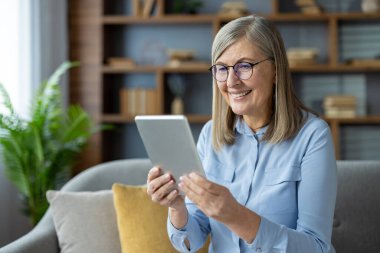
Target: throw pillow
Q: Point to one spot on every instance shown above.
(141, 223)
(85, 221)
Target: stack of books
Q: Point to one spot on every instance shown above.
(302, 56)
(233, 9)
(134, 101)
(340, 106)
(308, 6)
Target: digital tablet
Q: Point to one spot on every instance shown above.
(169, 143)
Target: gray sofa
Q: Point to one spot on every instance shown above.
(356, 223)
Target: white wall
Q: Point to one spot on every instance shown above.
(33, 43)
(13, 223)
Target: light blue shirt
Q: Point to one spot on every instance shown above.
(291, 185)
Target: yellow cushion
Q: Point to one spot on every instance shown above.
(141, 223)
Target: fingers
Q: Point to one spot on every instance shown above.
(170, 198)
(200, 185)
(154, 173)
(158, 182)
(162, 192)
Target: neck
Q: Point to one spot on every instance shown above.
(256, 123)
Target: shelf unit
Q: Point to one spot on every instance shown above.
(88, 24)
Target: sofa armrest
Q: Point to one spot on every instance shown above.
(41, 238)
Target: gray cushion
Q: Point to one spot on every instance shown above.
(356, 219)
(85, 221)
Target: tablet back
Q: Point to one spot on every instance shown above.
(169, 143)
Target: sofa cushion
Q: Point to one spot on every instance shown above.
(85, 221)
(141, 223)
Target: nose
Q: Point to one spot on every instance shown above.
(232, 78)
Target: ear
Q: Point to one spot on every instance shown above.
(274, 81)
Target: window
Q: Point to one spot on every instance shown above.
(9, 49)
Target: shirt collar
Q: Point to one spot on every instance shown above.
(241, 127)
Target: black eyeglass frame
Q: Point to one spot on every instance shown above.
(233, 67)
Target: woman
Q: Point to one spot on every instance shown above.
(269, 162)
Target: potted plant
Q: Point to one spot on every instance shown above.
(187, 6)
(38, 153)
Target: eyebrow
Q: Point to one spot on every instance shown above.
(243, 59)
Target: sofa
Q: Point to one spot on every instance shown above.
(356, 222)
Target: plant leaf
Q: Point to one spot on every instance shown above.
(5, 99)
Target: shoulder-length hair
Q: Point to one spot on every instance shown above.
(287, 117)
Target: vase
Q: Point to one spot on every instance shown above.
(177, 106)
(370, 6)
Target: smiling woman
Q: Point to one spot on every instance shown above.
(275, 184)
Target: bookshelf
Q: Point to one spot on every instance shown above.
(100, 29)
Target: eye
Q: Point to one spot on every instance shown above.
(243, 66)
(220, 68)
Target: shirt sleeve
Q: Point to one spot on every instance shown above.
(316, 203)
(195, 231)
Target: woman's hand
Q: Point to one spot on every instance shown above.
(216, 201)
(163, 190)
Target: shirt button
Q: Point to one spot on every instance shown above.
(258, 250)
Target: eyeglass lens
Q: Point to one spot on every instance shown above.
(243, 71)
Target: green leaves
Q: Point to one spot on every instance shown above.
(39, 152)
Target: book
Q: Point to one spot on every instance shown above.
(305, 2)
(313, 9)
(148, 8)
(339, 100)
(340, 113)
(121, 62)
(134, 101)
(124, 110)
(136, 8)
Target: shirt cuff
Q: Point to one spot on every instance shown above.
(267, 237)
(177, 236)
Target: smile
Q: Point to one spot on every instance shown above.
(240, 94)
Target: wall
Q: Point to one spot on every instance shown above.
(45, 45)
(13, 224)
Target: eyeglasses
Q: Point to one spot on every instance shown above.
(243, 70)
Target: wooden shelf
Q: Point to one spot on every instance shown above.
(166, 19)
(289, 17)
(121, 119)
(329, 68)
(359, 120)
(210, 18)
(119, 70)
(194, 118)
(317, 68)
(356, 16)
(202, 68)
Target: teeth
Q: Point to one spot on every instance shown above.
(241, 94)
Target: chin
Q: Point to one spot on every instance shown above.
(238, 112)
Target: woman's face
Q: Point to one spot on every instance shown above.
(253, 96)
